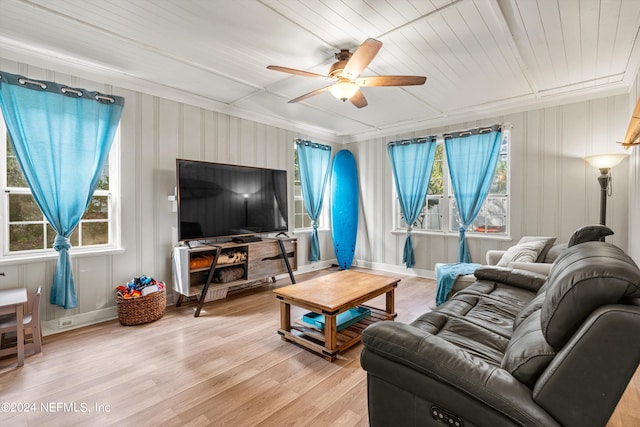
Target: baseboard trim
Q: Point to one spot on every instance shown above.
(76, 321)
(427, 274)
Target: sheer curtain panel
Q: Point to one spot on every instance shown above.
(472, 157)
(411, 163)
(314, 161)
(61, 137)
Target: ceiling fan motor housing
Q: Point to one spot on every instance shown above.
(336, 69)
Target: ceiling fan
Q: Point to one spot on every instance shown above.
(346, 75)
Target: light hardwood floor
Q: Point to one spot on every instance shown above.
(227, 367)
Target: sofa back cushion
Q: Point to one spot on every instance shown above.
(522, 252)
(528, 353)
(548, 244)
(585, 277)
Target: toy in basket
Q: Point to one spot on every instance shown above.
(142, 300)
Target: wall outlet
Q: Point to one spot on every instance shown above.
(65, 323)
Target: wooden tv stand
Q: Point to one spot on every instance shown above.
(252, 261)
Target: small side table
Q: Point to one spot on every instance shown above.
(12, 301)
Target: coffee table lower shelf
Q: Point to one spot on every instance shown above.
(314, 338)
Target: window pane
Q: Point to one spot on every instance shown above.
(98, 208)
(103, 183)
(436, 184)
(492, 217)
(24, 237)
(453, 218)
(434, 214)
(22, 207)
(95, 233)
(51, 235)
(14, 173)
(499, 184)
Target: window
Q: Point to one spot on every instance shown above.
(25, 229)
(440, 212)
(301, 217)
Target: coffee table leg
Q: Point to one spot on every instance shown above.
(285, 316)
(330, 333)
(391, 301)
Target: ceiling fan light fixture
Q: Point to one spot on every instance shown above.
(344, 90)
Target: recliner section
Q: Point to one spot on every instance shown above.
(515, 348)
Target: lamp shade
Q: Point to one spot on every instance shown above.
(344, 90)
(605, 161)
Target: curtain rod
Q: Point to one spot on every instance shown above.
(312, 144)
(57, 88)
(420, 140)
(454, 134)
(469, 132)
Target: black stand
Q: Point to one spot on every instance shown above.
(283, 251)
(603, 179)
(205, 288)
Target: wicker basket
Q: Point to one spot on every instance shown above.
(136, 311)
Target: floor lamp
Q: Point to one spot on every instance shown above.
(605, 162)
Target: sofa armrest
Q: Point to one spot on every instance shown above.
(391, 346)
(523, 279)
(535, 267)
(493, 256)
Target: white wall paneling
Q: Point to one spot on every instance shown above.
(553, 191)
(154, 132)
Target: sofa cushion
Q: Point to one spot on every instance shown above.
(523, 279)
(555, 252)
(477, 341)
(493, 314)
(528, 353)
(548, 244)
(585, 277)
(522, 252)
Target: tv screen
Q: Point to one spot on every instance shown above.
(220, 200)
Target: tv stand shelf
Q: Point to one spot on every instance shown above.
(215, 268)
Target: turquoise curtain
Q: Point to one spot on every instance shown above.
(61, 137)
(314, 161)
(412, 163)
(472, 157)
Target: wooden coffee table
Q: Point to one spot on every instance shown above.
(331, 295)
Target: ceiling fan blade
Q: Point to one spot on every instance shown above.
(359, 100)
(361, 58)
(299, 72)
(391, 81)
(310, 94)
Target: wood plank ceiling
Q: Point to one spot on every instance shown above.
(481, 57)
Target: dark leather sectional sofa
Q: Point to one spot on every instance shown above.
(514, 349)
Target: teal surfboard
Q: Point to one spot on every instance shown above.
(344, 207)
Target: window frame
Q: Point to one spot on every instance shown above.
(447, 201)
(113, 220)
(298, 199)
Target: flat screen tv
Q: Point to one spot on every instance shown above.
(217, 200)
